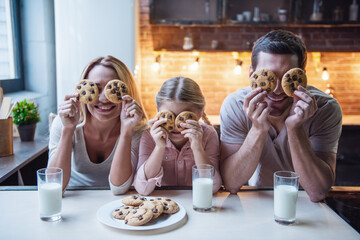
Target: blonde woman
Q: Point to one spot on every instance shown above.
(166, 159)
(97, 144)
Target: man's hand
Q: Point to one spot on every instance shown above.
(303, 108)
(257, 110)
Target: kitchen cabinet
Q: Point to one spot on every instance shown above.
(225, 12)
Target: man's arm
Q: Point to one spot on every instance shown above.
(317, 170)
(239, 161)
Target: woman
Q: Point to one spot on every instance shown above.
(97, 144)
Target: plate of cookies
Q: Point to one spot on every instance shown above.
(136, 212)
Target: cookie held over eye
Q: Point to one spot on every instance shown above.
(292, 79)
(88, 91)
(182, 117)
(263, 78)
(115, 90)
(170, 123)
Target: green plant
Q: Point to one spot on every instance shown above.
(25, 113)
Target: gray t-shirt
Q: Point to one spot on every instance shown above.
(323, 129)
(83, 171)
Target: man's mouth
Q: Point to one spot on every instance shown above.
(276, 98)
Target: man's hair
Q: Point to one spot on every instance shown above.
(280, 42)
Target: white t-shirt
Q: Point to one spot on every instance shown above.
(83, 171)
(323, 129)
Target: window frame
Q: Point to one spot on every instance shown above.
(17, 83)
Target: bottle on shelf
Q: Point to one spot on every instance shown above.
(353, 11)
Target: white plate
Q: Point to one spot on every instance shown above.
(164, 220)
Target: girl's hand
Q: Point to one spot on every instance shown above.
(158, 133)
(131, 113)
(194, 132)
(69, 111)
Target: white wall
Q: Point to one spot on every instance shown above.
(86, 29)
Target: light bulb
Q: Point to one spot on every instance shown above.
(195, 65)
(325, 74)
(155, 67)
(237, 70)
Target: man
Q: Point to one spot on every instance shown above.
(262, 133)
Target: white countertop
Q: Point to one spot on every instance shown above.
(247, 215)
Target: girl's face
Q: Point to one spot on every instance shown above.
(102, 109)
(177, 107)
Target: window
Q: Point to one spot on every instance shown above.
(10, 76)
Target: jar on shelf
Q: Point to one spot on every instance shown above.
(282, 15)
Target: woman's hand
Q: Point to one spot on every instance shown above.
(69, 111)
(131, 114)
(158, 133)
(194, 132)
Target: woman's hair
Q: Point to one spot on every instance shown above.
(280, 42)
(183, 90)
(123, 74)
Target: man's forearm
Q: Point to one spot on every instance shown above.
(316, 174)
(237, 168)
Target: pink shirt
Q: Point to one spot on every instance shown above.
(176, 166)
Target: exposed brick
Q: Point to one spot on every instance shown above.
(339, 47)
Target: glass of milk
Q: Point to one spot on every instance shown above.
(286, 187)
(49, 181)
(202, 185)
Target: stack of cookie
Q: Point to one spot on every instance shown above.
(138, 210)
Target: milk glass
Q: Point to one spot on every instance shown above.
(202, 185)
(286, 187)
(49, 181)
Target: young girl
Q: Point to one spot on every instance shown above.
(97, 144)
(166, 159)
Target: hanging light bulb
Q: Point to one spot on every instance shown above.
(238, 67)
(195, 65)
(325, 74)
(156, 65)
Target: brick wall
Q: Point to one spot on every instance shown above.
(339, 48)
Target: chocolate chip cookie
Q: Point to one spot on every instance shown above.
(182, 117)
(170, 123)
(155, 206)
(292, 79)
(263, 78)
(88, 91)
(115, 90)
(134, 200)
(170, 206)
(121, 212)
(138, 217)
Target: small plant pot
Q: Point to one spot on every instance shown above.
(27, 132)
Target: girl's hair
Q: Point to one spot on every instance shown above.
(123, 74)
(183, 90)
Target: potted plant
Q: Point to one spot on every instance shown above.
(25, 116)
